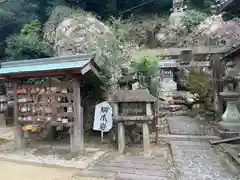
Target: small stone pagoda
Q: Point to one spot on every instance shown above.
(132, 111)
(133, 106)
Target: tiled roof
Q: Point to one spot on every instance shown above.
(45, 64)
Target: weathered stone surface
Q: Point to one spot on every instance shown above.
(183, 125)
(136, 167)
(198, 161)
(215, 31)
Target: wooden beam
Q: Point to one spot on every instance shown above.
(133, 118)
(77, 131)
(201, 50)
(215, 142)
(42, 74)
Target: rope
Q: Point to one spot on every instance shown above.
(135, 7)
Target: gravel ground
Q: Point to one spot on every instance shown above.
(15, 171)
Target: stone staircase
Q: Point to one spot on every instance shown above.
(127, 167)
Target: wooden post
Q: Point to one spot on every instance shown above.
(18, 131)
(216, 72)
(146, 136)
(77, 131)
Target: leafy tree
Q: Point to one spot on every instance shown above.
(28, 44)
(146, 69)
(199, 84)
(203, 5)
(13, 14)
(193, 18)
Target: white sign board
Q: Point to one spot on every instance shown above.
(103, 117)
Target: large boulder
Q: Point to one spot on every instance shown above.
(74, 32)
(215, 31)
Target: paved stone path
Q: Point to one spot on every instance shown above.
(199, 161)
(195, 159)
(184, 125)
(136, 168)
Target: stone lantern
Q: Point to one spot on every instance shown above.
(231, 117)
(133, 106)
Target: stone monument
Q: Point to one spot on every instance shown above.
(177, 13)
(231, 117)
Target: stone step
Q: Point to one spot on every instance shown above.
(145, 166)
(141, 159)
(172, 137)
(96, 174)
(190, 175)
(137, 177)
(120, 170)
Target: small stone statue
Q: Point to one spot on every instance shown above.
(127, 80)
(178, 13)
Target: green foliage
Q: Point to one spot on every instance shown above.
(204, 5)
(13, 14)
(146, 66)
(199, 84)
(193, 18)
(107, 8)
(34, 27)
(28, 44)
(112, 52)
(142, 29)
(146, 69)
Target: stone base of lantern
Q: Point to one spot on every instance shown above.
(225, 134)
(229, 128)
(231, 117)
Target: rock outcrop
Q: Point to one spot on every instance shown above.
(215, 31)
(73, 32)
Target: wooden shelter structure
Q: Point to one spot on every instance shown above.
(42, 103)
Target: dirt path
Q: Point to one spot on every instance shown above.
(15, 171)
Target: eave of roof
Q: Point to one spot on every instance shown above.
(232, 6)
(232, 53)
(46, 65)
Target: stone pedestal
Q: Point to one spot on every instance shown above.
(231, 117)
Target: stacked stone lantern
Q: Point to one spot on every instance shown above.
(231, 117)
(132, 106)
